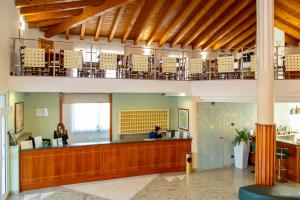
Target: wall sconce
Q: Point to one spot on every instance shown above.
(22, 23)
(204, 55)
(41, 112)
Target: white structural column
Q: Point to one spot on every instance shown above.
(265, 128)
(194, 130)
(265, 59)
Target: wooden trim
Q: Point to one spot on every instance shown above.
(111, 118)
(60, 107)
(265, 154)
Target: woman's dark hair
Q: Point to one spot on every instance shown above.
(157, 128)
(62, 127)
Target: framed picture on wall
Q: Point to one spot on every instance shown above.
(19, 117)
(183, 119)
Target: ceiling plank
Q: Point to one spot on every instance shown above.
(245, 43)
(59, 6)
(237, 40)
(282, 11)
(234, 33)
(193, 21)
(164, 19)
(290, 40)
(183, 15)
(44, 23)
(116, 23)
(88, 13)
(207, 22)
(82, 31)
(98, 29)
(286, 27)
(21, 3)
(133, 20)
(292, 6)
(52, 15)
(243, 15)
(224, 19)
(149, 18)
(67, 34)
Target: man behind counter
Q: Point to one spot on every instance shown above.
(156, 133)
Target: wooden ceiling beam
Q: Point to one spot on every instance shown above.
(82, 31)
(283, 12)
(207, 21)
(164, 19)
(245, 43)
(67, 34)
(206, 7)
(234, 32)
(224, 19)
(22, 3)
(154, 10)
(98, 29)
(59, 6)
(231, 26)
(286, 27)
(88, 13)
(241, 37)
(290, 40)
(116, 23)
(133, 20)
(45, 23)
(178, 20)
(52, 15)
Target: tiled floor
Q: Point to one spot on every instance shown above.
(212, 184)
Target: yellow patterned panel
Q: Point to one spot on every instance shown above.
(72, 59)
(292, 62)
(34, 57)
(143, 121)
(108, 61)
(253, 63)
(168, 65)
(140, 63)
(225, 64)
(196, 66)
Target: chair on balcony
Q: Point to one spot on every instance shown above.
(226, 67)
(108, 61)
(33, 61)
(292, 66)
(196, 69)
(168, 68)
(139, 66)
(73, 61)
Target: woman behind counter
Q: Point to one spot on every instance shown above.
(61, 132)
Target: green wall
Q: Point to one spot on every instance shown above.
(142, 101)
(14, 97)
(41, 126)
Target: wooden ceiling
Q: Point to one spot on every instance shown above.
(203, 24)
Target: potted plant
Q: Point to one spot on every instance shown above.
(241, 148)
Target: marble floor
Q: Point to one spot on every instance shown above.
(207, 185)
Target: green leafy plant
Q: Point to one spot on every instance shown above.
(241, 136)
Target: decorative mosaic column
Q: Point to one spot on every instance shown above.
(265, 128)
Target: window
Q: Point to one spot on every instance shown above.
(90, 117)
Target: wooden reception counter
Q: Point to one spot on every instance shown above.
(40, 168)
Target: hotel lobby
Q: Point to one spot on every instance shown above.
(150, 99)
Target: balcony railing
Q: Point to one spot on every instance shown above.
(69, 59)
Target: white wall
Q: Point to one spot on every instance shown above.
(9, 19)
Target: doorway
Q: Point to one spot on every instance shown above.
(211, 138)
(3, 173)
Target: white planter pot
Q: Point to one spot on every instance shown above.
(241, 154)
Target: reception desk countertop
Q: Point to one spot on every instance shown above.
(289, 139)
(121, 141)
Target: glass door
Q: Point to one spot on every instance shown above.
(3, 148)
(211, 139)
